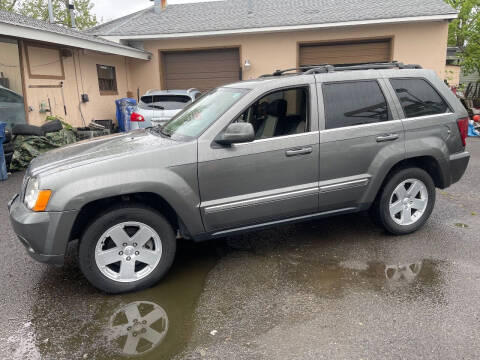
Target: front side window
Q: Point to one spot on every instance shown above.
(107, 80)
(418, 98)
(280, 113)
(197, 117)
(354, 103)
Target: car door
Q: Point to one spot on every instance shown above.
(272, 178)
(361, 138)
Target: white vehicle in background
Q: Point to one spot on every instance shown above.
(12, 107)
(157, 107)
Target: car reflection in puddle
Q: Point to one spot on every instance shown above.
(71, 320)
(138, 327)
(408, 272)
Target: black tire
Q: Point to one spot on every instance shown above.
(8, 159)
(52, 126)
(29, 130)
(109, 219)
(8, 148)
(380, 209)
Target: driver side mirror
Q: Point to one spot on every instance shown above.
(237, 133)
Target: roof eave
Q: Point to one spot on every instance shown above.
(118, 38)
(29, 33)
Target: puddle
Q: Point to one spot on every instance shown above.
(73, 321)
(277, 278)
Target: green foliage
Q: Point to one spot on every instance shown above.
(464, 32)
(7, 5)
(38, 9)
(64, 123)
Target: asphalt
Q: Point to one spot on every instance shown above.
(335, 288)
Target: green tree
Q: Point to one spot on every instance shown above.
(38, 9)
(464, 32)
(7, 5)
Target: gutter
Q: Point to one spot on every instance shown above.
(118, 38)
(28, 33)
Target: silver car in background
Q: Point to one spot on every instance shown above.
(157, 107)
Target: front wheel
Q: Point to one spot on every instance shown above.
(405, 202)
(127, 249)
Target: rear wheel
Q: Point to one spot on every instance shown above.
(405, 202)
(127, 249)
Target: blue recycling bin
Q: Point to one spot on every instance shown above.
(3, 163)
(125, 108)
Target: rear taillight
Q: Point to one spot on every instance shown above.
(135, 117)
(463, 128)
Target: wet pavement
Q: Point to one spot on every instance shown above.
(334, 288)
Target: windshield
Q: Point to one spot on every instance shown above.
(196, 118)
(165, 102)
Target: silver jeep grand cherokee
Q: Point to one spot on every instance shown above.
(284, 148)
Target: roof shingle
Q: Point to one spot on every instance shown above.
(24, 21)
(251, 14)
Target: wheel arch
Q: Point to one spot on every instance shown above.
(428, 163)
(90, 211)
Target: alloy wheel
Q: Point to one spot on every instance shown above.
(128, 252)
(408, 202)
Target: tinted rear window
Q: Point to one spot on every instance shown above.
(166, 102)
(354, 103)
(419, 98)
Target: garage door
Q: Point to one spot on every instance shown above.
(345, 53)
(203, 70)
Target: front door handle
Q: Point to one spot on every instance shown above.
(299, 151)
(389, 137)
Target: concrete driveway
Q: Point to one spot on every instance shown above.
(335, 288)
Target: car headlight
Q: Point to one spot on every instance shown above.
(36, 199)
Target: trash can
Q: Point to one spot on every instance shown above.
(125, 108)
(3, 163)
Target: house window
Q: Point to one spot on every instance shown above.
(107, 80)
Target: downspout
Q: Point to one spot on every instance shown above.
(50, 12)
(71, 8)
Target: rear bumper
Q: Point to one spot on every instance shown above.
(458, 165)
(45, 235)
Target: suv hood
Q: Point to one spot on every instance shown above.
(98, 149)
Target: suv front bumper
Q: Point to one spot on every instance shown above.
(44, 234)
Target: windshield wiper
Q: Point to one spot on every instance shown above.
(164, 133)
(159, 130)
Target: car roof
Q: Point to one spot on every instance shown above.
(334, 76)
(172, 92)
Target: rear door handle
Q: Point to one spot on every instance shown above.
(300, 151)
(389, 137)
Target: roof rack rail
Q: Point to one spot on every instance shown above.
(299, 70)
(326, 68)
(366, 66)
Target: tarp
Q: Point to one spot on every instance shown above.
(125, 108)
(471, 130)
(29, 147)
